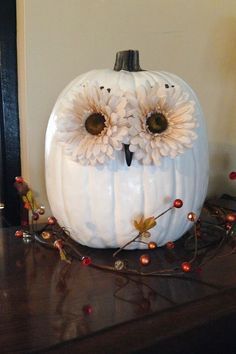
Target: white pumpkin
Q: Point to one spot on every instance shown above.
(91, 190)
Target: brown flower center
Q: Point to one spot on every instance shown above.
(156, 123)
(95, 123)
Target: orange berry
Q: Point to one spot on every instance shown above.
(19, 233)
(145, 259)
(152, 245)
(186, 267)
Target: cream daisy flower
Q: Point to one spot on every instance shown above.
(91, 124)
(162, 123)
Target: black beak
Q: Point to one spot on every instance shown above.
(128, 154)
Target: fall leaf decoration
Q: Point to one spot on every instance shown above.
(29, 201)
(26, 194)
(143, 225)
(58, 244)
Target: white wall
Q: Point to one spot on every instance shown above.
(195, 39)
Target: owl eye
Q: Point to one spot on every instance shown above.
(95, 123)
(156, 123)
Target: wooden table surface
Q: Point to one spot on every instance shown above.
(49, 306)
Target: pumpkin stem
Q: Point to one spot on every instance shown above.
(127, 60)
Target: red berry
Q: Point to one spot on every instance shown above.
(230, 218)
(178, 203)
(228, 227)
(87, 309)
(52, 220)
(232, 175)
(86, 261)
(145, 259)
(19, 233)
(19, 179)
(170, 245)
(35, 216)
(186, 267)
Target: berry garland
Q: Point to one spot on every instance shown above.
(223, 231)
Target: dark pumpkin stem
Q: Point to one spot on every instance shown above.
(127, 60)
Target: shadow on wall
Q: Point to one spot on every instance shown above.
(221, 76)
(222, 158)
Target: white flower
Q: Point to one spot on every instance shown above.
(162, 123)
(91, 123)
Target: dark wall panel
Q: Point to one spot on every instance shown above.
(9, 121)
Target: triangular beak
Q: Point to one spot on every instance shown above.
(128, 154)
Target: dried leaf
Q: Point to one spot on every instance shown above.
(63, 256)
(138, 224)
(149, 223)
(26, 205)
(143, 224)
(30, 199)
(29, 196)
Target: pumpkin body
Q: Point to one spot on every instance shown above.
(98, 203)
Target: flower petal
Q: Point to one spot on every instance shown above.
(82, 101)
(178, 109)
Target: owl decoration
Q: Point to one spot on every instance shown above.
(123, 144)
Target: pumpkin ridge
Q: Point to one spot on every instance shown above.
(171, 193)
(144, 193)
(164, 230)
(195, 182)
(116, 194)
(142, 199)
(65, 206)
(162, 223)
(61, 168)
(197, 199)
(115, 205)
(180, 191)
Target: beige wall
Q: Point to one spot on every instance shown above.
(195, 39)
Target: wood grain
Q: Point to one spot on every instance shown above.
(44, 303)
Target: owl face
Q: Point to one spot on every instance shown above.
(147, 124)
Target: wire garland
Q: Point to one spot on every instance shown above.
(203, 243)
